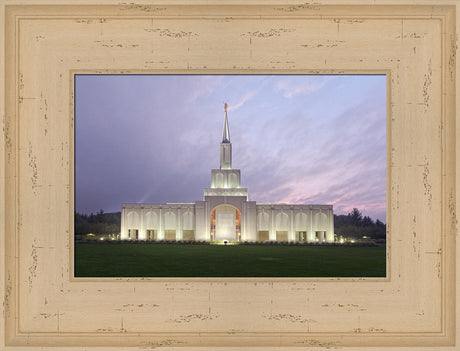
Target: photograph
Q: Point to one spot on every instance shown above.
(230, 175)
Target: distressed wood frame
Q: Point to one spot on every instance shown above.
(45, 43)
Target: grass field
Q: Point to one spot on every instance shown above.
(178, 260)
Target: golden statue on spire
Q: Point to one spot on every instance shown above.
(225, 107)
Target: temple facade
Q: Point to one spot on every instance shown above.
(226, 215)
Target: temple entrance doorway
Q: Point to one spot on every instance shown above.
(225, 224)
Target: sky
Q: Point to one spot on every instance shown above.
(297, 139)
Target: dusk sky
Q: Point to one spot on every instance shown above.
(297, 139)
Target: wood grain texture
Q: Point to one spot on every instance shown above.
(414, 43)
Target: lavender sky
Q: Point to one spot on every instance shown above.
(301, 139)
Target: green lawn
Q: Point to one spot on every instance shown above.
(179, 260)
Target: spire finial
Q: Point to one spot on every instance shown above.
(225, 132)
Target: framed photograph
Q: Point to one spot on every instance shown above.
(46, 46)
(240, 189)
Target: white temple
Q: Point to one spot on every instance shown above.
(226, 215)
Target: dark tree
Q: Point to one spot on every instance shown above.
(356, 216)
(367, 221)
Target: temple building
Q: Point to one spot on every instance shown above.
(226, 215)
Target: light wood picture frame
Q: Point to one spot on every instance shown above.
(47, 42)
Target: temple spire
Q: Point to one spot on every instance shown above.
(225, 145)
(225, 131)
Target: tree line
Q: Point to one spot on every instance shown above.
(99, 224)
(355, 225)
(351, 225)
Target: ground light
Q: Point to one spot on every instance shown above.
(224, 242)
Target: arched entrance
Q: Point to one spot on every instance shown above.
(225, 223)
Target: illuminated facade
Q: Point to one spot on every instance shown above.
(225, 214)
